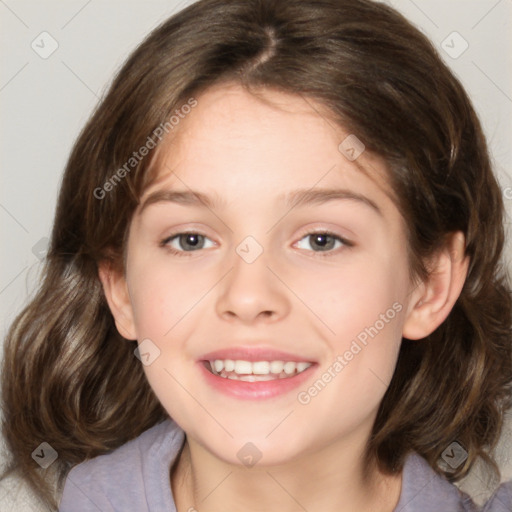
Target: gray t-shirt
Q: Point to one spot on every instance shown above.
(136, 477)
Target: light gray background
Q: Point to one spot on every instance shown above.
(45, 103)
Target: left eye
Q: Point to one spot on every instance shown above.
(186, 242)
(324, 241)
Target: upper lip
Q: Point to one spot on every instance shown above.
(253, 354)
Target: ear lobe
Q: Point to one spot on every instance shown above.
(433, 299)
(118, 298)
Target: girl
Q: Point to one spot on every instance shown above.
(274, 278)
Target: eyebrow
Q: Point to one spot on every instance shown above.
(314, 196)
(294, 199)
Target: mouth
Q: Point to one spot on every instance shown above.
(255, 371)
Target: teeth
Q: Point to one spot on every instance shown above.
(289, 367)
(261, 368)
(302, 366)
(276, 366)
(258, 370)
(243, 367)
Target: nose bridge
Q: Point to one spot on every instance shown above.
(251, 288)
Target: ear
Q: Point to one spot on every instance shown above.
(118, 298)
(431, 302)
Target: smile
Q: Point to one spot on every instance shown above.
(249, 372)
(256, 371)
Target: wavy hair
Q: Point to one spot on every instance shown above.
(71, 380)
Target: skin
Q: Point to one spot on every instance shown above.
(291, 298)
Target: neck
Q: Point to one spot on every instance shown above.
(332, 479)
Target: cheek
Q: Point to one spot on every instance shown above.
(362, 308)
(163, 294)
(348, 298)
(164, 299)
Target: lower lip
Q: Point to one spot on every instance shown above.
(255, 390)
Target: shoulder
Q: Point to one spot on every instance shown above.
(501, 500)
(424, 490)
(129, 476)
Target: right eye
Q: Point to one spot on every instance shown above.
(186, 242)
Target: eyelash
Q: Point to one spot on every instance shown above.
(323, 254)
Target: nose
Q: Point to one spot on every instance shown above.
(252, 292)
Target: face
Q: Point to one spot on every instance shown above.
(271, 310)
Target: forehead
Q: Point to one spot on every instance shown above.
(234, 141)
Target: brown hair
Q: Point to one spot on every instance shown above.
(69, 378)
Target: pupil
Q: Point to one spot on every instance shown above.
(190, 240)
(321, 241)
